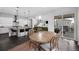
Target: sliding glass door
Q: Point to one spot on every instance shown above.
(65, 23)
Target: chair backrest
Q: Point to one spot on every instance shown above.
(57, 30)
(31, 31)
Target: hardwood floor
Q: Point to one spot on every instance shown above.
(7, 42)
(68, 45)
(22, 44)
(22, 47)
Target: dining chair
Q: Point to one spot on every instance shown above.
(51, 46)
(55, 42)
(32, 43)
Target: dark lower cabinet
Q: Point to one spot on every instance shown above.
(5, 35)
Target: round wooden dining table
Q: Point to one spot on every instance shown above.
(42, 37)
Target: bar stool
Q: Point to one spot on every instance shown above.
(13, 31)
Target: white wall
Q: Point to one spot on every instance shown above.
(23, 22)
(51, 25)
(47, 17)
(6, 21)
(77, 24)
(50, 18)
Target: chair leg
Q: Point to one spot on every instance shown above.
(56, 44)
(34, 45)
(35, 49)
(50, 46)
(53, 43)
(30, 44)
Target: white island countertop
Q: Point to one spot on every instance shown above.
(4, 30)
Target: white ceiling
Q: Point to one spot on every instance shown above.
(23, 11)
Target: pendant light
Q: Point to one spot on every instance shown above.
(15, 22)
(16, 16)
